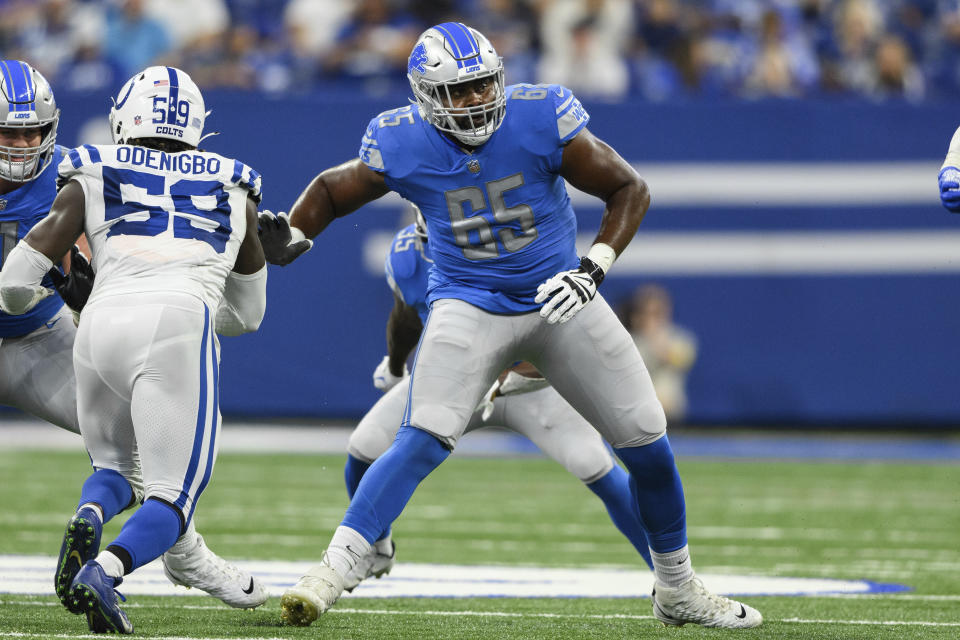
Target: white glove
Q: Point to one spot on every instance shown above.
(565, 294)
(486, 403)
(514, 384)
(383, 379)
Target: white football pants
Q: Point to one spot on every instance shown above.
(591, 361)
(542, 416)
(36, 372)
(147, 367)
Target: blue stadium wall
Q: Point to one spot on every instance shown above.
(803, 243)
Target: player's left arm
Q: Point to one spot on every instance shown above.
(244, 299)
(591, 165)
(34, 256)
(403, 332)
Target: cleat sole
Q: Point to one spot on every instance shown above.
(296, 611)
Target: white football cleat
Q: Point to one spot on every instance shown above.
(313, 594)
(202, 569)
(375, 563)
(692, 602)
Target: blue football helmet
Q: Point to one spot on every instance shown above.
(26, 102)
(449, 54)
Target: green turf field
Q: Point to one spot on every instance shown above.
(891, 523)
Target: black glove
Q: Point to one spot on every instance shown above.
(75, 287)
(276, 239)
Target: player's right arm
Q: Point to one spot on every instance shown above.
(34, 256)
(244, 299)
(332, 194)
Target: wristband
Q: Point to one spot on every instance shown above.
(602, 255)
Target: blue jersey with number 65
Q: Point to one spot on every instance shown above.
(499, 219)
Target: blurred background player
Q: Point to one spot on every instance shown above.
(146, 357)
(949, 177)
(487, 166)
(667, 349)
(36, 348)
(520, 400)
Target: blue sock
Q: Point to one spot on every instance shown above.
(352, 473)
(614, 490)
(655, 484)
(108, 489)
(391, 480)
(149, 532)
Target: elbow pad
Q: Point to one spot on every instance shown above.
(243, 304)
(23, 270)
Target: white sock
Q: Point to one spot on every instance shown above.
(187, 542)
(111, 564)
(346, 548)
(95, 507)
(672, 568)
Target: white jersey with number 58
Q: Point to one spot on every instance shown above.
(161, 221)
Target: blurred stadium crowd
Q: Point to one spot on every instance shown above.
(603, 49)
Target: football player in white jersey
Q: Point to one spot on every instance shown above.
(36, 349)
(173, 235)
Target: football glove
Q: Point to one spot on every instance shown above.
(383, 379)
(567, 292)
(486, 403)
(950, 188)
(279, 247)
(74, 287)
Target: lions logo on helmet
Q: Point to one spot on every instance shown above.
(158, 102)
(26, 102)
(448, 54)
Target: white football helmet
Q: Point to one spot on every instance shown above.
(448, 54)
(158, 102)
(26, 102)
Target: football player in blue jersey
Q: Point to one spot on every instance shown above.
(487, 164)
(520, 400)
(949, 177)
(36, 348)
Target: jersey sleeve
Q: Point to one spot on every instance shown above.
(370, 147)
(388, 143)
(571, 116)
(247, 178)
(80, 164)
(391, 276)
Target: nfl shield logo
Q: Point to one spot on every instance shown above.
(474, 166)
(3, 205)
(137, 119)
